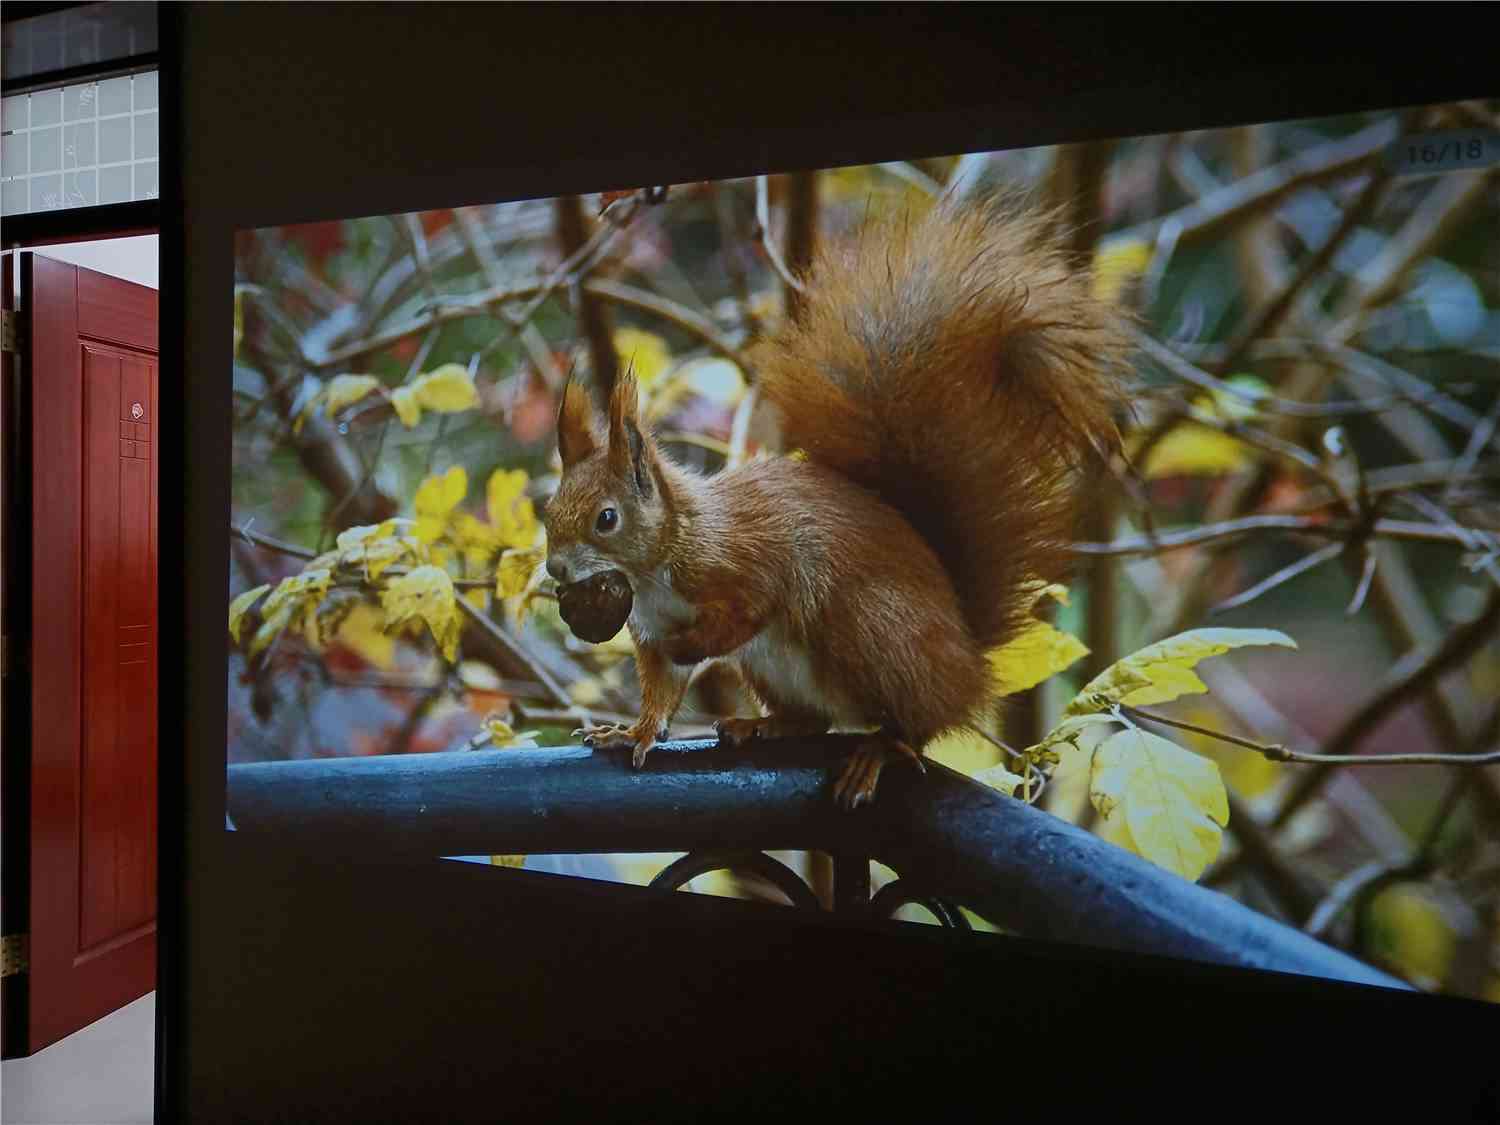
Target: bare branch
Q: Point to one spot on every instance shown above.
(516, 651)
(1307, 562)
(267, 542)
(1452, 651)
(1409, 530)
(1265, 319)
(764, 236)
(1175, 364)
(1265, 189)
(1282, 754)
(487, 302)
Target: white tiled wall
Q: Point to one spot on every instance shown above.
(79, 146)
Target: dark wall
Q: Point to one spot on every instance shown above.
(300, 991)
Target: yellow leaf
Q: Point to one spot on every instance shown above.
(425, 595)
(436, 498)
(363, 631)
(1163, 671)
(446, 389)
(270, 627)
(511, 512)
(998, 777)
(382, 554)
(345, 390)
(375, 547)
(478, 539)
(645, 352)
(1409, 932)
(1173, 802)
(1053, 590)
(407, 407)
(297, 591)
(241, 606)
(963, 750)
(1040, 652)
(499, 730)
(352, 537)
(1116, 264)
(517, 566)
(1194, 450)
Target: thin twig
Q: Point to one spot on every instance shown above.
(487, 301)
(1175, 364)
(1478, 439)
(1282, 754)
(269, 543)
(1252, 194)
(1307, 562)
(1408, 530)
(1265, 319)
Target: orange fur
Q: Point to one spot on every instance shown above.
(947, 379)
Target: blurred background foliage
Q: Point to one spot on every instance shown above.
(1283, 261)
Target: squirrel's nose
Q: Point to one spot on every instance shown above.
(559, 569)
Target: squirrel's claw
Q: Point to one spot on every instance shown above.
(856, 785)
(618, 736)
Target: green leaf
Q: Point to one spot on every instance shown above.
(1172, 801)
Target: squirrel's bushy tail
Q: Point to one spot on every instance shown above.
(958, 365)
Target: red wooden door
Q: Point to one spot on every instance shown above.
(92, 341)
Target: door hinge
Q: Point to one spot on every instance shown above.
(14, 954)
(9, 331)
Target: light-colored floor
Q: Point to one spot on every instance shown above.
(101, 1075)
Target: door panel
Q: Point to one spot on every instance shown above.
(93, 375)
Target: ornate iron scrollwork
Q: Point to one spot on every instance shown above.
(893, 896)
(766, 867)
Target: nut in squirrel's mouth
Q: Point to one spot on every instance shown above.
(597, 607)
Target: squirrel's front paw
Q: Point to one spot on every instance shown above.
(618, 736)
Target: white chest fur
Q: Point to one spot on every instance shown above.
(786, 672)
(658, 609)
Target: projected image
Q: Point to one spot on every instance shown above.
(1097, 542)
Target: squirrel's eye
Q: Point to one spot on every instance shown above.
(608, 520)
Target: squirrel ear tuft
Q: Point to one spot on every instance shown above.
(629, 453)
(577, 425)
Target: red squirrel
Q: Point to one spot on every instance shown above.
(948, 378)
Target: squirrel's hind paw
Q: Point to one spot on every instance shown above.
(857, 784)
